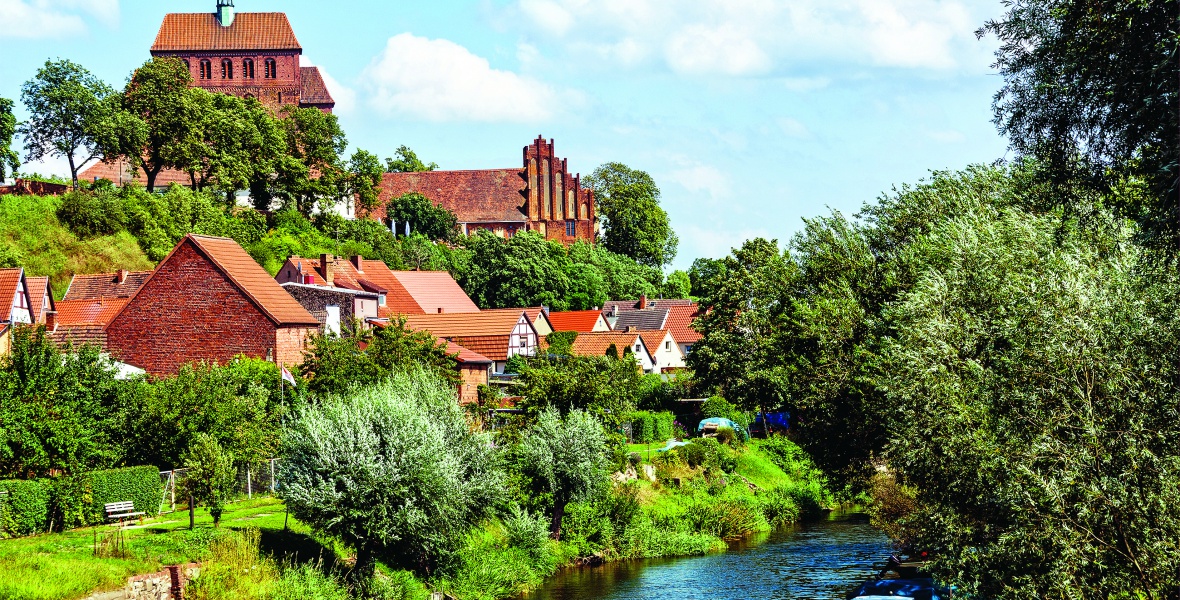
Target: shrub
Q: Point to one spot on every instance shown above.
(307, 581)
(89, 214)
(25, 511)
(642, 427)
(694, 454)
(718, 407)
(234, 569)
(529, 533)
(662, 426)
(209, 474)
(140, 485)
(779, 507)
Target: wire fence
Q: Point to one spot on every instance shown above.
(258, 479)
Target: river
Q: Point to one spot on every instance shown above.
(820, 560)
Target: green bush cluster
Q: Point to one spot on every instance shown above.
(39, 505)
(718, 407)
(649, 427)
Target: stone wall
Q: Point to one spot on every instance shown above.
(165, 585)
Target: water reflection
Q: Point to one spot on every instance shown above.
(817, 561)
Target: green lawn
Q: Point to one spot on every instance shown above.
(62, 566)
(642, 449)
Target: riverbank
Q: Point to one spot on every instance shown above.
(701, 499)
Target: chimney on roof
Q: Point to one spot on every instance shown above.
(630, 329)
(440, 310)
(225, 12)
(358, 263)
(328, 264)
(121, 276)
(51, 321)
(643, 302)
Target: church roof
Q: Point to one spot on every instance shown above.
(314, 91)
(201, 32)
(486, 196)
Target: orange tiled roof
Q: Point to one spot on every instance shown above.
(534, 313)
(38, 289)
(80, 335)
(105, 285)
(597, 343)
(466, 355)
(679, 323)
(201, 32)
(97, 311)
(493, 347)
(452, 325)
(9, 284)
(486, 196)
(252, 280)
(654, 339)
(582, 321)
(432, 290)
(313, 89)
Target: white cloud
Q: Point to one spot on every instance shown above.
(439, 80)
(758, 37)
(344, 96)
(703, 178)
(29, 19)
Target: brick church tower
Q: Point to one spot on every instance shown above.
(250, 55)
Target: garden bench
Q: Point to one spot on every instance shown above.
(121, 510)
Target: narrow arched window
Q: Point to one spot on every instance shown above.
(272, 68)
(248, 69)
(206, 70)
(187, 67)
(227, 69)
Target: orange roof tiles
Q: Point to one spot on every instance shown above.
(432, 290)
(201, 32)
(406, 292)
(99, 311)
(494, 347)
(252, 280)
(10, 280)
(38, 288)
(80, 335)
(487, 196)
(582, 321)
(466, 355)
(679, 323)
(313, 91)
(597, 343)
(447, 325)
(105, 285)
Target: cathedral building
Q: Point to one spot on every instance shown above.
(541, 195)
(250, 55)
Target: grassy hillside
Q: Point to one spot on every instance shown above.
(32, 236)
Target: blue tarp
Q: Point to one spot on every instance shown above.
(776, 419)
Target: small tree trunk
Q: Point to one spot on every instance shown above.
(558, 515)
(366, 565)
(151, 174)
(192, 513)
(73, 170)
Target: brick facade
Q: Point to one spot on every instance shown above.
(190, 311)
(471, 376)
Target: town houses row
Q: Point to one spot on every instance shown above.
(209, 301)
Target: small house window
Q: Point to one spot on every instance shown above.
(668, 346)
(206, 70)
(571, 228)
(187, 66)
(227, 69)
(248, 68)
(271, 69)
(638, 347)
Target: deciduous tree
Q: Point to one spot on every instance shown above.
(634, 223)
(70, 115)
(423, 216)
(564, 456)
(9, 159)
(406, 161)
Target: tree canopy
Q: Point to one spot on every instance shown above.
(423, 216)
(406, 161)
(70, 115)
(634, 224)
(9, 159)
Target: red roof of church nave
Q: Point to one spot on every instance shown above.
(487, 196)
(182, 32)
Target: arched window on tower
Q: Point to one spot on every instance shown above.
(187, 66)
(248, 69)
(206, 70)
(272, 68)
(227, 69)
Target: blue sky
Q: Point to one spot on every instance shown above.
(750, 114)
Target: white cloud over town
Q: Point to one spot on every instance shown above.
(759, 37)
(30, 19)
(441, 81)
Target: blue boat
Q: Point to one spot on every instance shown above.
(899, 580)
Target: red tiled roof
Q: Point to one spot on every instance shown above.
(38, 288)
(654, 339)
(536, 314)
(99, 311)
(453, 325)
(313, 89)
(202, 32)
(432, 290)
(9, 284)
(466, 355)
(679, 323)
(80, 335)
(597, 343)
(119, 171)
(251, 279)
(105, 285)
(487, 196)
(493, 347)
(582, 321)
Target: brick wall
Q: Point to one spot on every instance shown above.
(471, 377)
(267, 91)
(190, 312)
(290, 344)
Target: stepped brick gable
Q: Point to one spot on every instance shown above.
(541, 195)
(208, 301)
(251, 55)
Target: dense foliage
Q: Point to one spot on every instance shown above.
(9, 159)
(634, 224)
(564, 457)
(73, 115)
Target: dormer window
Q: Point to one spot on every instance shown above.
(227, 69)
(270, 69)
(206, 70)
(248, 69)
(381, 300)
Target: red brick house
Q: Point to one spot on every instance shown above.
(208, 301)
(540, 196)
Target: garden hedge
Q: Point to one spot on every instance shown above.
(648, 427)
(25, 510)
(140, 485)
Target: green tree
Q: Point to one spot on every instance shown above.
(678, 285)
(394, 471)
(1090, 91)
(70, 115)
(313, 170)
(564, 457)
(406, 161)
(364, 178)
(634, 224)
(158, 96)
(603, 386)
(525, 270)
(704, 275)
(209, 474)
(424, 217)
(9, 159)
